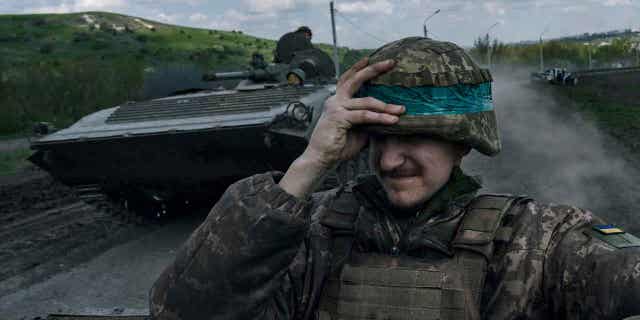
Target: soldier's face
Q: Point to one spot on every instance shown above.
(412, 168)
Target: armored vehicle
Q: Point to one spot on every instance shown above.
(185, 148)
(555, 76)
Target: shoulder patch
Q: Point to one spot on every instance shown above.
(607, 229)
(613, 236)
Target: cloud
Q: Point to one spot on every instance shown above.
(198, 18)
(615, 3)
(270, 6)
(66, 6)
(458, 17)
(233, 19)
(370, 7)
(168, 18)
(574, 9)
(495, 8)
(192, 3)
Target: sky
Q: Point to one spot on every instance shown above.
(370, 23)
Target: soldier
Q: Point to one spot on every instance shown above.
(306, 31)
(414, 241)
(292, 42)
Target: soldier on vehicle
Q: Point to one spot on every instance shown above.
(307, 32)
(292, 42)
(412, 242)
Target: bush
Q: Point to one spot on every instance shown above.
(142, 38)
(100, 45)
(46, 48)
(67, 91)
(80, 37)
(39, 22)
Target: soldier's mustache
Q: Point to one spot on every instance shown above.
(402, 172)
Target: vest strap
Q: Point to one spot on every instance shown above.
(483, 218)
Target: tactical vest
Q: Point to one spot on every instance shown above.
(400, 287)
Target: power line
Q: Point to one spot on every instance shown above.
(359, 28)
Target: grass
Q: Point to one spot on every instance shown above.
(618, 118)
(11, 162)
(609, 113)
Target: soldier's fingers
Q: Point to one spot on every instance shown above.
(372, 104)
(356, 117)
(354, 68)
(353, 83)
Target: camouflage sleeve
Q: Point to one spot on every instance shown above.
(547, 266)
(246, 261)
(590, 275)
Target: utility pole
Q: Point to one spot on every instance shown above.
(541, 49)
(336, 60)
(489, 52)
(541, 56)
(489, 49)
(424, 24)
(590, 61)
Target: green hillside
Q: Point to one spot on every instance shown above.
(59, 67)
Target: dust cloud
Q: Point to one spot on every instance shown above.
(555, 155)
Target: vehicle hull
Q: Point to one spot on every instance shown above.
(180, 164)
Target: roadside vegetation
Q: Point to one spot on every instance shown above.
(60, 67)
(12, 161)
(620, 51)
(618, 117)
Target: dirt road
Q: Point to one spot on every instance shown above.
(49, 230)
(116, 281)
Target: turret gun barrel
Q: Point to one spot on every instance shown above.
(255, 75)
(213, 76)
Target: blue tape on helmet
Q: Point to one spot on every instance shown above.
(428, 100)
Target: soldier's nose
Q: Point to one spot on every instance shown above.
(392, 156)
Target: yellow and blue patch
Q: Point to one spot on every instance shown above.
(613, 236)
(607, 229)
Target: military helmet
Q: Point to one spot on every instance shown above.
(444, 91)
(304, 29)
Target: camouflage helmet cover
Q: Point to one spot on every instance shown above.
(304, 29)
(426, 62)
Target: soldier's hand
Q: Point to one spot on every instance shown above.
(335, 137)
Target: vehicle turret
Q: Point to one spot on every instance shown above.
(308, 65)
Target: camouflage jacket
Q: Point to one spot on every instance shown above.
(264, 254)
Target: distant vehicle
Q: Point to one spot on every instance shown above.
(558, 76)
(185, 148)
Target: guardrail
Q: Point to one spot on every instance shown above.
(593, 72)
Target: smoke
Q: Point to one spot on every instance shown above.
(554, 155)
